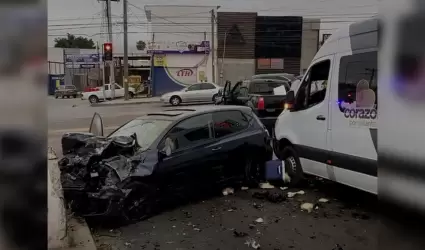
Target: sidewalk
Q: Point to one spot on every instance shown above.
(120, 102)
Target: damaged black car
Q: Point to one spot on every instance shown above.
(168, 154)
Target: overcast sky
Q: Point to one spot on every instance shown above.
(83, 17)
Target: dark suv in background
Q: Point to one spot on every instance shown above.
(67, 91)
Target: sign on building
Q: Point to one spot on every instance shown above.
(184, 75)
(82, 61)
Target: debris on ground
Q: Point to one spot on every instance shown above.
(337, 247)
(323, 200)
(257, 206)
(272, 196)
(307, 207)
(252, 243)
(251, 226)
(239, 234)
(283, 188)
(266, 185)
(244, 188)
(259, 220)
(228, 191)
(292, 194)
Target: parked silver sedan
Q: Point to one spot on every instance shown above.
(198, 92)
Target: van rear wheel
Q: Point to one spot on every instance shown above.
(292, 166)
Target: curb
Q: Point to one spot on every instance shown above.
(122, 103)
(79, 234)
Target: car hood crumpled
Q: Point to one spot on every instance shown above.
(86, 154)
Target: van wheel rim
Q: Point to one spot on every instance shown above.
(292, 163)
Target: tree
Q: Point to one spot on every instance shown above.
(141, 45)
(72, 41)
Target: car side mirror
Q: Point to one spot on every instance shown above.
(290, 100)
(161, 155)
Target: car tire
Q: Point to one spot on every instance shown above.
(292, 165)
(214, 97)
(56, 97)
(93, 99)
(175, 100)
(131, 95)
(139, 204)
(254, 172)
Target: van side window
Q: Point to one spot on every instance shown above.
(313, 89)
(358, 77)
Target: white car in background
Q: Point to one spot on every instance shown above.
(94, 95)
(198, 92)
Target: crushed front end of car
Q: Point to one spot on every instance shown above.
(93, 169)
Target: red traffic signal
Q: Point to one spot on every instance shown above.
(107, 51)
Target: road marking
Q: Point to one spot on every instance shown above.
(86, 129)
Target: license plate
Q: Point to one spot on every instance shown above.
(270, 110)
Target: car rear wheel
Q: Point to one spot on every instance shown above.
(139, 204)
(175, 100)
(56, 96)
(93, 99)
(292, 165)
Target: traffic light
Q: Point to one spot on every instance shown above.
(107, 51)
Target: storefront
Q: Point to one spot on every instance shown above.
(173, 70)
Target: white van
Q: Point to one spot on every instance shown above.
(329, 128)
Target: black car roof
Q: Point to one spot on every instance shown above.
(179, 113)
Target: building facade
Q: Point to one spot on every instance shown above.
(249, 44)
(236, 45)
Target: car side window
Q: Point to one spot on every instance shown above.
(117, 86)
(229, 122)
(207, 86)
(313, 88)
(106, 87)
(191, 132)
(194, 87)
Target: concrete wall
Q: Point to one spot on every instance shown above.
(236, 69)
(310, 41)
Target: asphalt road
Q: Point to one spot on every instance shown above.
(347, 221)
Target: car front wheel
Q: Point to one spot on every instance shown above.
(175, 100)
(292, 165)
(93, 99)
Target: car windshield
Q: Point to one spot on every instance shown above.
(262, 87)
(146, 130)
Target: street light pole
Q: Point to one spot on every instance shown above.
(125, 80)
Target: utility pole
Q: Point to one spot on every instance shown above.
(111, 63)
(222, 58)
(125, 80)
(213, 44)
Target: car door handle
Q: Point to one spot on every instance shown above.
(216, 149)
(321, 118)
